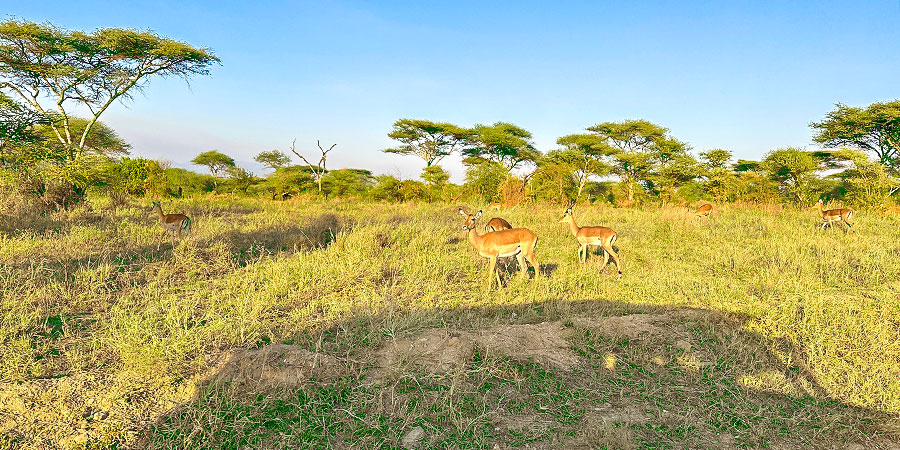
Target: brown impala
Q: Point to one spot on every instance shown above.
(497, 224)
(830, 216)
(518, 242)
(173, 223)
(703, 211)
(587, 236)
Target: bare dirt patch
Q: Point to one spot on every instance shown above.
(279, 365)
(439, 351)
(633, 326)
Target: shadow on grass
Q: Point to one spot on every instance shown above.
(645, 376)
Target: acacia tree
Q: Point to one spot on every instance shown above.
(792, 168)
(584, 153)
(431, 141)
(502, 143)
(273, 159)
(51, 69)
(636, 142)
(319, 169)
(216, 161)
(875, 129)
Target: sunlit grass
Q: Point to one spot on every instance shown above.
(95, 318)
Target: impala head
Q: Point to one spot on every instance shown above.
(567, 216)
(155, 205)
(469, 222)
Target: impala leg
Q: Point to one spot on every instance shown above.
(492, 272)
(523, 269)
(583, 253)
(533, 260)
(605, 256)
(615, 257)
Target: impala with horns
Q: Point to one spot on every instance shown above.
(703, 211)
(497, 224)
(173, 223)
(830, 216)
(518, 242)
(586, 236)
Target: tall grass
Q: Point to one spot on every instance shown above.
(95, 318)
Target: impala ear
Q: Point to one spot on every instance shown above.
(462, 212)
(478, 214)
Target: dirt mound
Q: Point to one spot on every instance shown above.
(279, 365)
(633, 326)
(544, 343)
(439, 351)
(436, 350)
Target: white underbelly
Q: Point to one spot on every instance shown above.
(504, 255)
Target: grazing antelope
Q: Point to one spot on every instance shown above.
(173, 223)
(587, 236)
(495, 206)
(518, 242)
(497, 224)
(703, 211)
(830, 216)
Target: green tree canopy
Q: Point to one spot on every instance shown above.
(639, 146)
(792, 168)
(716, 158)
(435, 176)
(51, 68)
(101, 139)
(875, 128)
(431, 141)
(502, 143)
(273, 159)
(216, 161)
(584, 154)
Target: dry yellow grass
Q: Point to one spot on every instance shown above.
(764, 331)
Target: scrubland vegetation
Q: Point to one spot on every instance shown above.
(314, 307)
(749, 329)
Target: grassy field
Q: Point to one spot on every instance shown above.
(366, 325)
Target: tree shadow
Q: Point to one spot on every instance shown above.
(631, 376)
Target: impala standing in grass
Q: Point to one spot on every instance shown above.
(830, 216)
(495, 206)
(586, 236)
(497, 224)
(173, 223)
(703, 211)
(518, 242)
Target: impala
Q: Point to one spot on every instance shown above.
(495, 206)
(497, 224)
(518, 242)
(830, 216)
(173, 223)
(586, 236)
(703, 211)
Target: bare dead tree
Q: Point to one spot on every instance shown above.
(319, 169)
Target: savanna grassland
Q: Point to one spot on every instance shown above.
(312, 324)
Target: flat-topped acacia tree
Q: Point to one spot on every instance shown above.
(52, 69)
(431, 141)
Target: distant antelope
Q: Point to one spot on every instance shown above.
(587, 236)
(173, 223)
(518, 242)
(497, 224)
(703, 211)
(495, 206)
(830, 216)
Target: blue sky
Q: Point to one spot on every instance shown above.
(745, 76)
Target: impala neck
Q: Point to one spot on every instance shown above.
(821, 209)
(573, 227)
(473, 238)
(159, 211)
